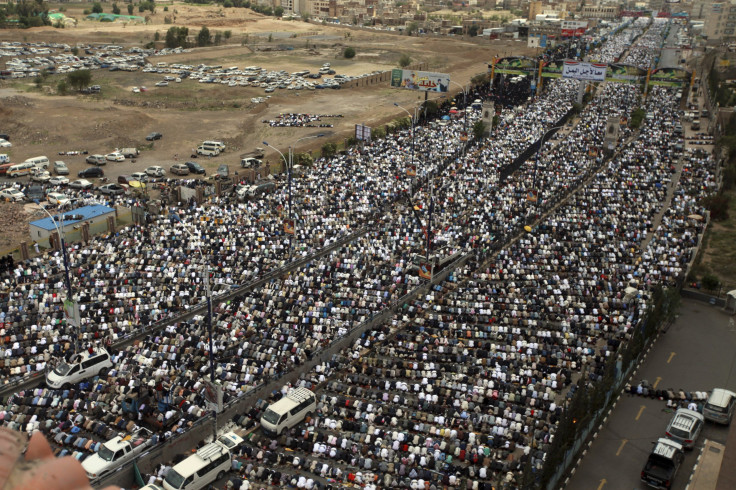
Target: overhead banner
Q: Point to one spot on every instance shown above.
(289, 226)
(411, 170)
(515, 66)
(618, 72)
(425, 81)
(580, 70)
(669, 77)
(573, 28)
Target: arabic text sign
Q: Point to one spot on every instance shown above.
(420, 80)
(584, 71)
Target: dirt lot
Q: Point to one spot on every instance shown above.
(187, 113)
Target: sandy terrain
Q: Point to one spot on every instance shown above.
(188, 113)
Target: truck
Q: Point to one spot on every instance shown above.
(4, 158)
(662, 464)
(117, 451)
(129, 152)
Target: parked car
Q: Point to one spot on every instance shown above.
(180, 169)
(82, 184)
(662, 464)
(5, 144)
(60, 168)
(139, 176)
(40, 176)
(196, 168)
(57, 198)
(124, 179)
(58, 180)
(685, 427)
(112, 189)
(162, 83)
(91, 172)
(96, 159)
(115, 157)
(154, 136)
(12, 194)
(720, 406)
(155, 171)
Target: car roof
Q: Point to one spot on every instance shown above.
(685, 419)
(719, 396)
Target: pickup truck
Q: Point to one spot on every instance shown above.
(663, 463)
(116, 452)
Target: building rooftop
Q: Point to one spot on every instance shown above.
(72, 217)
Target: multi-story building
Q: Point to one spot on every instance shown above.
(600, 11)
(720, 22)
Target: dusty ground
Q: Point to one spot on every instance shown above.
(41, 123)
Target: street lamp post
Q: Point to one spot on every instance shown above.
(536, 159)
(465, 106)
(208, 296)
(413, 122)
(289, 164)
(67, 277)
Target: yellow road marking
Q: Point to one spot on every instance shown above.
(621, 447)
(672, 354)
(641, 410)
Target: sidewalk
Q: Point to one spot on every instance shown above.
(705, 476)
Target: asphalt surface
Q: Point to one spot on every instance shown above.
(695, 354)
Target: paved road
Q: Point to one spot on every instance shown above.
(698, 353)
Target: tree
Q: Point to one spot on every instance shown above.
(203, 38)
(79, 79)
(349, 52)
(479, 129)
(61, 87)
(710, 282)
(473, 30)
(412, 28)
(177, 37)
(218, 38)
(115, 9)
(75, 50)
(227, 4)
(278, 11)
(97, 8)
(227, 34)
(156, 36)
(405, 60)
(329, 150)
(130, 9)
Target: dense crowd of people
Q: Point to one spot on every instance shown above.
(300, 120)
(465, 385)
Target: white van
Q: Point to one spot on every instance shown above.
(20, 169)
(217, 144)
(208, 464)
(40, 162)
(82, 365)
(208, 150)
(288, 411)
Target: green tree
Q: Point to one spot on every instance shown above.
(130, 9)
(79, 79)
(218, 38)
(227, 4)
(61, 87)
(349, 52)
(329, 150)
(479, 129)
(710, 282)
(177, 37)
(227, 34)
(404, 60)
(75, 50)
(203, 38)
(473, 30)
(97, 8)
(156, 36)
(115, 9)
(278, 11)
(412, 28)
